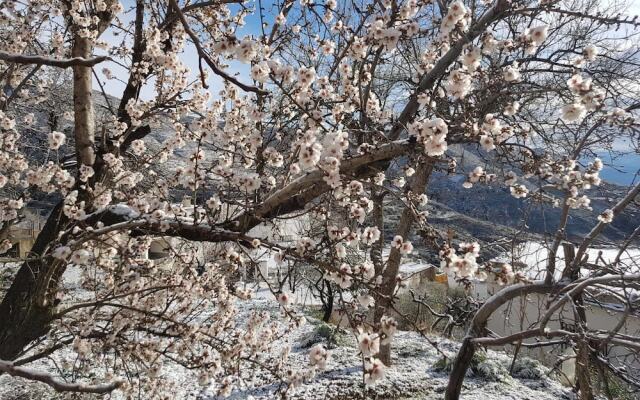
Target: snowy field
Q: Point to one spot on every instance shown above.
(417, 373)
(418, 370)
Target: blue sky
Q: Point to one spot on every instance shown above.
(620, 169)
(189, 57)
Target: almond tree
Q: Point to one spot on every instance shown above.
(311, 131)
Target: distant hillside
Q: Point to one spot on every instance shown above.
(494, 203)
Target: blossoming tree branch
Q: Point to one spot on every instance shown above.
(343, 105)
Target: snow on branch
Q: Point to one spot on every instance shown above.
(60, 386)
(61, 63)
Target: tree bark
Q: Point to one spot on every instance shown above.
(384, 297)
(477, 329)
(377, 216)
(27, 307)
(459, 369)
(583, 355)
(583, 377)
(84, 115)
(328, 304)
(24, 319)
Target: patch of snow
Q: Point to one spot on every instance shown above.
(535, 256)
(124, 210)
(411, 376)
(413, 267)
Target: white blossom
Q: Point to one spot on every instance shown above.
(606, 217)
(574, 112)
(56, 139)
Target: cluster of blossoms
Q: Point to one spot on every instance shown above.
(458, 84)
(432, 134)
(365, 300)
(369, 346)
(478, 174)
(56, 139)
(511, 73)
(334, 145)
(501, 273)
(305, 245)
(244, 50)
(388, 328)
(534, 37)
(519, 191)
(342, 277)
(345, 274)
(310, 151)
(370, 235)
(567, 176)
(319, 356)
(83, 16)
(405, 247)
(457, 16)
(13, 165)
(461, 264)
(386, 34)
(492, 131)
(588, 97)
(73, 208)
(620, 117)
(606, 216)
(50, 177)
(9, 210)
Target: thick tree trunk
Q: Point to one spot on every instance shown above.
(23, 317)
(28, 305)
(84, 118)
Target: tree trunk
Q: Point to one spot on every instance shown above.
(583, 355)
(460, 367)
(478, 329)
(583, 377)
(377, 217)
(25, 319)
(84, 119)
(28, 305)
(384, 298)
(328, 304)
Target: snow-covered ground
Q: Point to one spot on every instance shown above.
(414, 375)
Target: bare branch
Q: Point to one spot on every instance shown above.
(52, 62)
(60, 386)
(203, 55)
